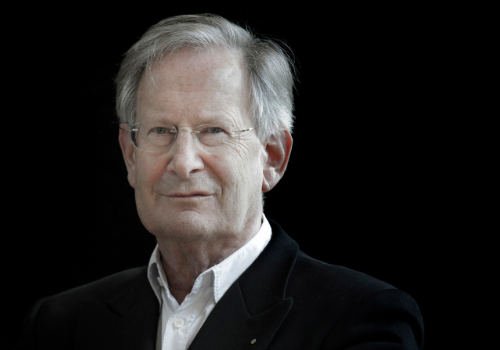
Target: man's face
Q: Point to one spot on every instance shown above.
(190, 192)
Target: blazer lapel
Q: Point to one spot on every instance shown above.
(127, 321)
(255, 306)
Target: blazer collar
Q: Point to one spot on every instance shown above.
(255, 306)
(264, 283)
(127, 321)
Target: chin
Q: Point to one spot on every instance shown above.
(186, 226)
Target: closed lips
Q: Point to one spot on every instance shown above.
(190, 194)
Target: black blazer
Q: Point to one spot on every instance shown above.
(284, 300)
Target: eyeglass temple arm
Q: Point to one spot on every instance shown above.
(127, 129)
(242, 130)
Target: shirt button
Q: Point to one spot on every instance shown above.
(178, 322)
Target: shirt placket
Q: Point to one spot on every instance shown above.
(177, 333)
(179, 321)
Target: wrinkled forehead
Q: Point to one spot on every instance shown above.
(196, 83)
(217, 66)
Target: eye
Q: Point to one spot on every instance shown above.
(213, 130)
(160, 130)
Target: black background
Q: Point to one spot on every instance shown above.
(366, 186)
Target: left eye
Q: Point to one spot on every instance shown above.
(213, 130)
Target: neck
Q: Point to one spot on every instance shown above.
(184, 261)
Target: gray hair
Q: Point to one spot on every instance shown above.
(269, 66)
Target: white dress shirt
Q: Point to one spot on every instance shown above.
(179, 324)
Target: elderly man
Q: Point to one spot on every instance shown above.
(205, 114)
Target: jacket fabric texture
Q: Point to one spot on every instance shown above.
(284, 300)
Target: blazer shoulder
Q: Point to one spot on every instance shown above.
(100, 290)
(340, 281)
(59, 313)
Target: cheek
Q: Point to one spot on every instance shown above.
(247, 173)
(220, 168)
(149, 171)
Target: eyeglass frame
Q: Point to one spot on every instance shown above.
(177, 131)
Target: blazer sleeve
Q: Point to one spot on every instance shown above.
(388, 320)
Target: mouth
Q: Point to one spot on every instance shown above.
(188, 195)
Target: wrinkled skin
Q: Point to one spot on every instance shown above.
(202, 204)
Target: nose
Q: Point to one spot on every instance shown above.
(185, 159)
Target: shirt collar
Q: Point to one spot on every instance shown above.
(231, 268)
(155, 272)
(224, 274)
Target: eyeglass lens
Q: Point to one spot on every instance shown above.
(155, 137)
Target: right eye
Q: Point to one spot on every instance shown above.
(161, 130)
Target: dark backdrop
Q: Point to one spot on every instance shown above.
(363, 189)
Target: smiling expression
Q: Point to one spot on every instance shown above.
(190, 191)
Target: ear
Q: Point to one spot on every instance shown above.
(278, 150)
(128, 153)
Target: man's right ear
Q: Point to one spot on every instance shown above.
(128, 153)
